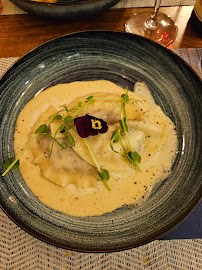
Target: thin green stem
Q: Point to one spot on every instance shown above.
(53, 141)
(49, 121)
(51, 117)
(92, 155)
(106, 184)
(71, 127)
(46, 134)
(124, 127)
(83, 107)
(123, 147)
(138, 167)
(108, 99)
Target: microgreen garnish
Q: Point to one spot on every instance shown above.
(123, 125)
(104, 174)
(62, 128)
(81, 106)
(71, 139)
(115, 138)
(69, 119)
(132, 156)
(9, 161)
(91, 98)
(57, 117)
(135, 158)
(115, 135)
(41, 129)
(64, 145)
(11, 166)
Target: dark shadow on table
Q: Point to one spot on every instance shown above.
(190, 228)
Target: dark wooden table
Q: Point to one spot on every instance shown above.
(21, 33)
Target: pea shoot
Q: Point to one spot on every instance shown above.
(104, 176)
(114, 139)
(10, 161)
(132, 156)
(103, 173)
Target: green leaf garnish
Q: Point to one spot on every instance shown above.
(71, 139)
(104, 175)
(41, 129)
(114, 139)
(57, 117)
(125, 97)
(90, 98)
(62, 128)
(69, 119)
(9, 161)
(135, 158)
(115, 136)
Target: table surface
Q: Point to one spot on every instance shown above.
(22, 32)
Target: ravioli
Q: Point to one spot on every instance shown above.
(68, 180)
(107, 107)
(64, 167)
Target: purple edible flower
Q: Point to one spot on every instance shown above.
(90, 126)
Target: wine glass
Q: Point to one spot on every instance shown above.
(156, 26)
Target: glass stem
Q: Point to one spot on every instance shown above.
(156, 9)
(152, 23)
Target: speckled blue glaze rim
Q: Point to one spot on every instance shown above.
(65, 10)
(122, 58)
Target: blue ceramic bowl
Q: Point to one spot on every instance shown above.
(121, 58)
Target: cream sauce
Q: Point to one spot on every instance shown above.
(127, 187)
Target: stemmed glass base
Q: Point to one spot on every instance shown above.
(161, 29)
